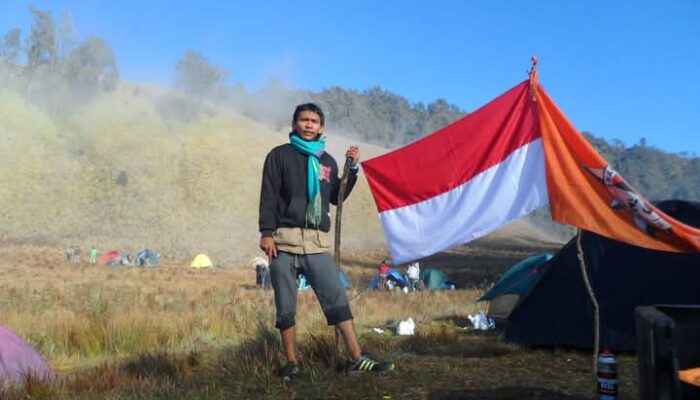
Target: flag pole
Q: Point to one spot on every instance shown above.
(534, 82)
(594, 301)
(534, 78)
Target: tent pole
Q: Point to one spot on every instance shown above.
(594, 301)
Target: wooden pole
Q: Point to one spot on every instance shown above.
(339, 209)
(594, 301)
(338, 221)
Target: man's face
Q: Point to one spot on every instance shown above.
(308, 125)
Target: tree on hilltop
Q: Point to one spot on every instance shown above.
(41, 49)
(11, 46)
(197, 76)
(67, 37)
(93, 66)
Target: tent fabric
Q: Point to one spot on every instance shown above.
(201, 261)
(557, 309)
(147, 257)
(18, 359)
(304, 283)
(344, 280)
(434, 279)
(394, 275)
(502, 306)
(111, 258)
(519, 278)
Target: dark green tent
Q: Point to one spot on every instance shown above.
(434, 279)
(557, 309)
(519, 278)
(513, 285)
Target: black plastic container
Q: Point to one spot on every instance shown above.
(668, 340)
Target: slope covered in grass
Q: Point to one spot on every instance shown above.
(144, 167)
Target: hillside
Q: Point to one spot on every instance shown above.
(143, 167)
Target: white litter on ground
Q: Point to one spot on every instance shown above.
(481, 322)
(406, 327)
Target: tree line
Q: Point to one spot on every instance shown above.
(50, 65)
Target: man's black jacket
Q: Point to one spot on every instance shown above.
(283, 195)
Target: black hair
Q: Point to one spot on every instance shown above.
(308, 107)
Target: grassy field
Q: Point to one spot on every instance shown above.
(174, 332)
(143, 167)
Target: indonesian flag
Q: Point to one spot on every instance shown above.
(513, 155)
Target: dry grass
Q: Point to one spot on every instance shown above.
(140, 168)
(127, 171)
(174, 332)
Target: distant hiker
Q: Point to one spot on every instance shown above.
(142, 259)
(93, 255)
(262, 273)
(299, 180)
(75, 256)
(413, 275)
(384, 274)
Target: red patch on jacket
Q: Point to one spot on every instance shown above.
(325, 174)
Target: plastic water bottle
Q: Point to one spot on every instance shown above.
(607, 376)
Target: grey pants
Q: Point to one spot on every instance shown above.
(321, 274)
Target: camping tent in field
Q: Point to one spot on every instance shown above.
(147, 258)
(111, 258)
(304, 283)
(18, 360)
(201, 261)
(434, 279)
(506, 293)
(557, 309)
(344, 280)
(393, 275)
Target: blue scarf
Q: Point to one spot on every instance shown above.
(313, 183)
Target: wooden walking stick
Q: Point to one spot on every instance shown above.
(339, 208)
(338, 220)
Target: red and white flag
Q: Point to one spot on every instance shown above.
(499, 163)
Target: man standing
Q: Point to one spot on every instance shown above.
(413, 275)
(93, 255)
(262, 273)
(299, 181)
(383, 275)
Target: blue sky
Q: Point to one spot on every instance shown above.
(620, 69)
